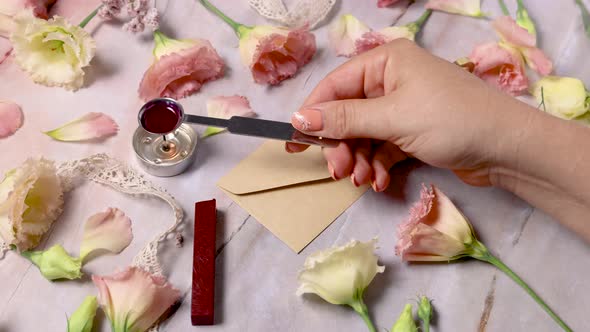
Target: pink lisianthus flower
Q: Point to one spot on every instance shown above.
(385, 3)
(500, 65)
(180, 68)
(348, 36)
(525, 42)
(275, 54)
(133, 299)
(11, 118)
(435, 231)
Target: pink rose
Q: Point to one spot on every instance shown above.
(500, 65)
(385, 3)
(275, 54)
(525, 42)
(181, 67)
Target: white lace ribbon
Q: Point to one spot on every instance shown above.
(102, 169)
(303, 12)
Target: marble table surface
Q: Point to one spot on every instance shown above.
(257, 273)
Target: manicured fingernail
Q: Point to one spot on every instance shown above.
(307, 120)
(353, 180)
(288, 149)
(374, 185)
(332, 173)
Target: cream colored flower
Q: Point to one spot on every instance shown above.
(31, 199)
(565, 97)
(340, 275)
(52, 52)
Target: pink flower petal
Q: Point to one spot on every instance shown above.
(279, 57)
(501, 66)
(435, 230)
(385, 3)
(369, 41)
(225, 107)
(109, 230)
(38, 7)
(11, 118)
(537, 60)
(90, 126)
(179, 74)
(133, 299)
(512, 33)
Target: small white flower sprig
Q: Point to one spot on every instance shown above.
(142, 14)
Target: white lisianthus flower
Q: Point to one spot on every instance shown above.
(31, 199)
(52, 52)
(340, 275)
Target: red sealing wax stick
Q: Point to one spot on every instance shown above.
(203, 292)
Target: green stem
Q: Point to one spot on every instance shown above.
(238, 28)
(89, 17)
(480, 252)
(417, 24)
(360, 307)
(425, 326)
(585, 16)
(504, 8)
(422, 19)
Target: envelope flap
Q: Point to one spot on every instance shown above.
(270, 167)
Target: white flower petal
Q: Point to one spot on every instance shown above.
(340, 273)
(109, 230)
(31, 199)
(11, 118)
(90, 126)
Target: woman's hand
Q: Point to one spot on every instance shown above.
(398, 100)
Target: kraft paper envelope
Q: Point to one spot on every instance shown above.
(292, 195)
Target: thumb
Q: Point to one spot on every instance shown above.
(344, 119)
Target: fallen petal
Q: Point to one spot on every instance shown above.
(512, 33)
(11, 118)
(224, 107)
(109, 230)
(90, 126)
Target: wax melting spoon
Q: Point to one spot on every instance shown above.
(165, 115)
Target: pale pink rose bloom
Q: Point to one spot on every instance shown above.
(518, 37)
(372, 39)
(90, 126)
(109, 230)
(461, 7)
(385, 3)
(501, 66)
(11, 118)
(435, 231)
(181, 68)
(276, 54)
(133, 299)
